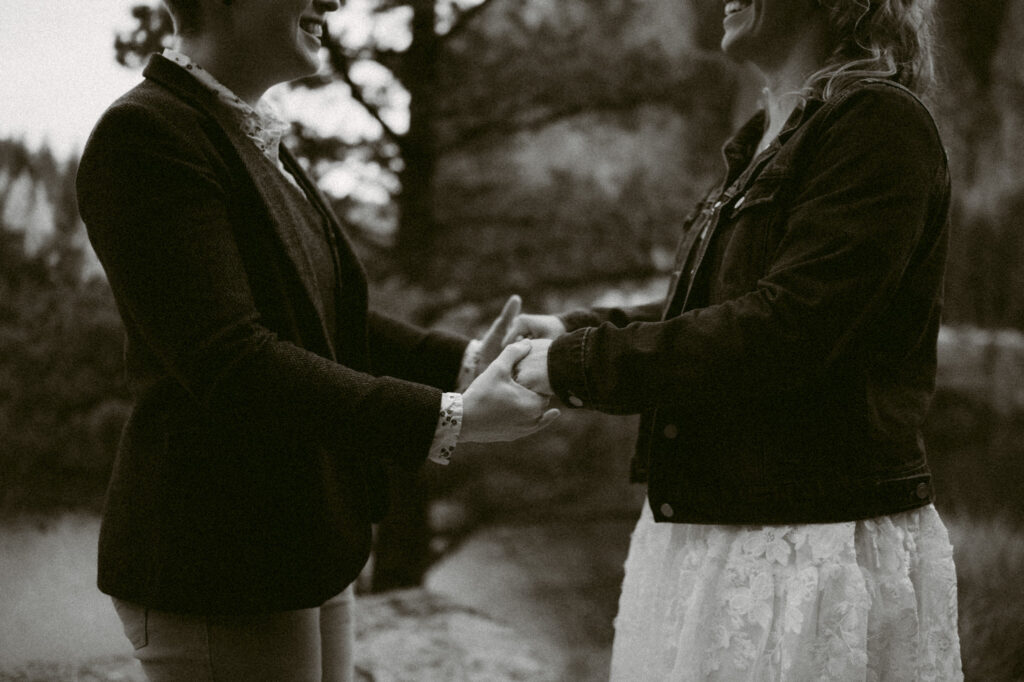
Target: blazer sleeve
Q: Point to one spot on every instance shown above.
(402, 350)
(157, 212)
(870, 202)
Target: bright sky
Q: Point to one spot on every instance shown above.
(58, 73)
(57, 68)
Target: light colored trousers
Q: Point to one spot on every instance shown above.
(308, 645)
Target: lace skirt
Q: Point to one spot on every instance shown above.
(868, 600)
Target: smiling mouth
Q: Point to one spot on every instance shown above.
(734, 6)
(313, 27)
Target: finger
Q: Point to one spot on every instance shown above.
(548, 417)
(532, 374)
(529, 398)
(529, 382)
(516, 330)
(513, 306)
(511, 356)
(494, 341)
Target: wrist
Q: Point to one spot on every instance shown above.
(565, 368)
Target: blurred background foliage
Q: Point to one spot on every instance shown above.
(549, 148)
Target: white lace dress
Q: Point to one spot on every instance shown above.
(871, 601)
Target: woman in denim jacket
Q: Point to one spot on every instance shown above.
(789, 533)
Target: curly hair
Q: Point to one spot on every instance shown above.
(890, 39)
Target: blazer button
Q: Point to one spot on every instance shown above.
(922, 490)
(671, 431)
(575, 402)
(666, 510)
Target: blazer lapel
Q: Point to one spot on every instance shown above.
(351, 292)
(346, 253)
(259, 167)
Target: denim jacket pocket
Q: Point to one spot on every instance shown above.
(763, 190)
(748, 234)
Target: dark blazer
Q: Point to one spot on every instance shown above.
(252, 464)
(786, 376)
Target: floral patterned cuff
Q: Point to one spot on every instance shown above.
(449, 426)
(470, 360)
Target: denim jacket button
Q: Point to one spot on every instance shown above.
(575, 402)
(671, 431)
(666, 510)
(922, 491)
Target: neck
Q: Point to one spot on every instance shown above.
(781, 97)
(785, 78)
(233, 68)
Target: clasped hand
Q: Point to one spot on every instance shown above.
(510, 398)
(539, 330)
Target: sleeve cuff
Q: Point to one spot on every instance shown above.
(449, 426)
(577, 319)
(567, 368)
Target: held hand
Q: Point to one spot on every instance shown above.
(496, 408)
(534, 327)
(532, 371)
(493, 341)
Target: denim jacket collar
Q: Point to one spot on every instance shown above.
(739, 152)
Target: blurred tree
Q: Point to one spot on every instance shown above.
(967, 30)
(576, 138)
(980, 107)
(438, 79)
(62, 394)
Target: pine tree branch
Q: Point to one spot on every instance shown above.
(510, 124)
(465, 18)
(340, 63)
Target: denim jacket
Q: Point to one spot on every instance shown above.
(786, 376)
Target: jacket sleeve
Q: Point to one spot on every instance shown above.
(158, 217)
(402, 350)
(876, 178)
(617, 317)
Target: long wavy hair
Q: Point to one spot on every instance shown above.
(889, 39)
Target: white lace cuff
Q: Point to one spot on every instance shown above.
(449, 426)
(470, 360)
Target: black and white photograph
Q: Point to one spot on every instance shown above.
(511, 341)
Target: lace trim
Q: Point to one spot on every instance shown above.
(870, 600)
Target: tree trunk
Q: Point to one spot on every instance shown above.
(403, 538)
(419, 154)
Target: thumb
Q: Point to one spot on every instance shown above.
(498, 331)
(548, 417)
(512, 308)
(511, 356)
(517, 327)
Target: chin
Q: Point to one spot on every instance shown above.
(314, 68)
(732, 47)
(306, 66)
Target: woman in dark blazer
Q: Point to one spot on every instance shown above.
(267, 398)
